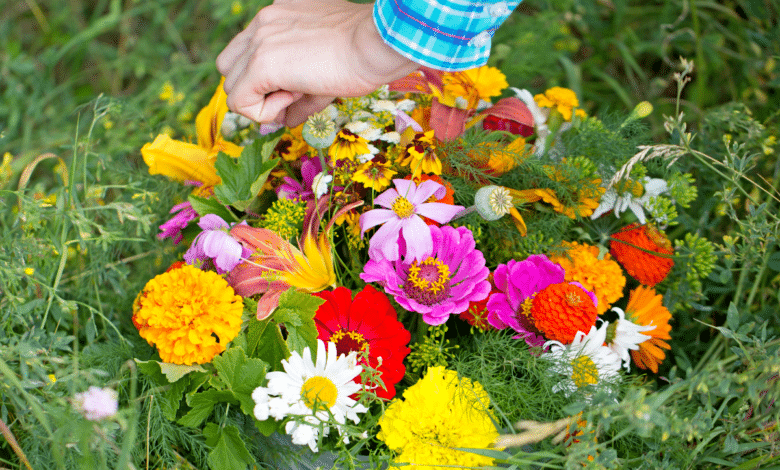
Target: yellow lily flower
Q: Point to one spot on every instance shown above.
(184, 161)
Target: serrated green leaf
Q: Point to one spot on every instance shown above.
(241, 375)
(254, 334)
(296, 310)
(170, 401)
(244, 177)
(174, 372)
(204, 206)
(152, 369)
(202, 404)
(230, 452)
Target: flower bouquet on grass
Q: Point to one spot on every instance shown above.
(445, 272)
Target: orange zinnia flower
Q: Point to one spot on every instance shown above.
(645, 308)
(634, 247)
(559, 311)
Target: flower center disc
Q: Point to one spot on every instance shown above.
(348, 341)
(584, 371)
(428, 282)
(402, 207)
(319, 390)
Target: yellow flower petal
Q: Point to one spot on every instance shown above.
(180, 161)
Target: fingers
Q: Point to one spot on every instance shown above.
(270, 107)
(304, 107)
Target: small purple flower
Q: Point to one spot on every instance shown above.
(292, 189)
(444, 283)
(215, 243)
(517, 283)
(172, 228)
(401, 218)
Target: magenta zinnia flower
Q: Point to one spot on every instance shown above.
(401, 218)
(518, 282)
(445, 282)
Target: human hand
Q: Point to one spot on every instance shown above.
(297, 55)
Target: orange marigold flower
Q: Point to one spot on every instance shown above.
(559, 311)
(645, 308)
(602, 276)
(634, 245)
(188, 314)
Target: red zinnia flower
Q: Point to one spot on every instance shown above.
(367, 322)
(633, 247)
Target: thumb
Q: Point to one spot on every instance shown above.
(299, 111)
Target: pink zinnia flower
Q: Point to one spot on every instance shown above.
(444, 283)
(401, 218)
(517, 283)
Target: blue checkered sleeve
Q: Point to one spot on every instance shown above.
(446, 35)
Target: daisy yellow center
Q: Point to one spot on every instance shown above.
(348, 341)
(584, 371)
(428, 282)
(635, 188)
(319, 390)
(402, 207)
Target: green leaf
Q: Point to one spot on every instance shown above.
(244, 177)
(732, 317)
(229, 451)
(296, 310)
(254, 334)
(170, 401)
(171, 372)
(205, 206)
(267, 427)
(202, 404)
(272, 348)
(241, 375)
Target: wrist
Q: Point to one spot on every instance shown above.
(379, 58)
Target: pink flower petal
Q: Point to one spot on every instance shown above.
(375, 217)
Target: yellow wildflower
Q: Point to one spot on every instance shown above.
(420, 155)
(374, 174)
(561, 99)
(347, 146)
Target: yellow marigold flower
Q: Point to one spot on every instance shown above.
(602, 276)
(561, 99)
(374, 174)
(488, 81)
(437, 414)
(347, 146)
(420, 155)
(189, 315)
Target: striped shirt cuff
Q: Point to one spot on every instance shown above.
(445, 35)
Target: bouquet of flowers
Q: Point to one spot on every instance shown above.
(357, 281)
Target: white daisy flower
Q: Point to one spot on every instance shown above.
(628, 199)
(364, 130)
(320, 184)
(585, 362)
(312, 391)
(392, 137)
(623, 335)
(367, 157)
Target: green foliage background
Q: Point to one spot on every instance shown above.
(80, 86)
